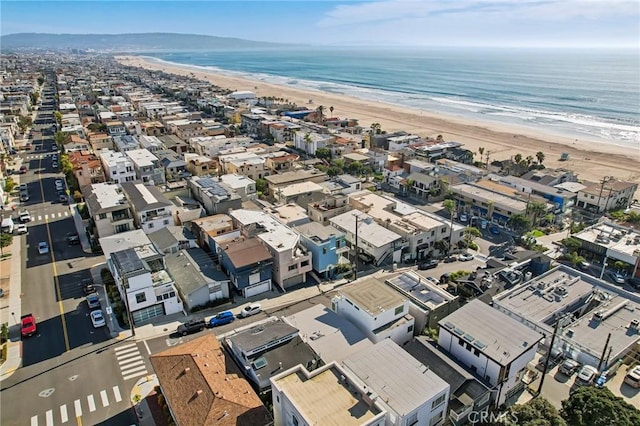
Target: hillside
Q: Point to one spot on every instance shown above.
(126, 42)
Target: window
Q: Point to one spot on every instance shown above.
(476, 352)
(141, 297)
(461, 342)
(412, 419)
(294, 420)
(420, 241)
(304, 263)
(324, 250)
(399, 310)
(150, 224)
(293, 267)
(410, 329)
(165, 222)
(102, 216)
(438, 402)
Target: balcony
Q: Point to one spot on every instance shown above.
(458, 412)
(120, 217)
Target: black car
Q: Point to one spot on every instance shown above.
(634, 282)
(191, 326)
(429, 264)
(88, 287)
(73, 239)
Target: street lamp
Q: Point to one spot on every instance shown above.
(358, 219)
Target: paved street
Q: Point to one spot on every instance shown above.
(71, 372)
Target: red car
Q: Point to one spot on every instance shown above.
(29, 327)
(23, 170)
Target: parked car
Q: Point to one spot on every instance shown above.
(191, 326)
(449, 259)
(586, 375)
(62, 198)
(483, 224)
(568, 367)
(21, 229)
(54, 164)
(556, 357)
(600, 381)
(429, 264)
(23, 170)
(633, 377)
(463, 217)
(618, 278)
(43, 247)
(24, 196)
(73, 238)
(584, 265)
(222, 318)
(93, 301)
(88, 287)
(28, 327)
(250, 309)
(24, 216)
(494, 230)
(634, 282)
(465, 257)
(97, 319)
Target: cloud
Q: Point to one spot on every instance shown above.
(429, 10)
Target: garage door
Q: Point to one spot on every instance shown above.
(146, 314)
(261, 287)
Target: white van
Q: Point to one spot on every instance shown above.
(7, 225)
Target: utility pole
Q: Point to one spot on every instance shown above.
(355, 271)
(548, 360)
(604, 352)
(126, 299)
(602, 182)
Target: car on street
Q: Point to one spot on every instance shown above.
(634, 282)
(191, 326)
(222, 318)
(429, 264)
(250, 309)
(97, 319)
(21, 229)
(43, 247)
(93, 301)
(465, 257)
(568, 367)
(494, 230)
(73, 238)
(618, 278)
(463, 217)
(586, 375)
(450, 259)
(59, 185)
(88, 287)
(23, 170)
(23, 187)
(584, 265)
(633, 377)
(600, 381)
(24, 216)
(24, 196)
(62, 198)
(28, 325)
(483, 224)
(54, 164)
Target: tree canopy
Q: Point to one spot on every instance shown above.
(537, 412)
(323, 153)
(591, 406)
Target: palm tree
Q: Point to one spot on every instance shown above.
(529, 160)
(536, 209)
(320, 109)
(540, 156)
(307, 142)
(517, 158)
(450, 206)
(376, 128)
(439, 138)
(331, 110)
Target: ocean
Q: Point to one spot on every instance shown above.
(584, 94)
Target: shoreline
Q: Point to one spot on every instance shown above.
(590, 160)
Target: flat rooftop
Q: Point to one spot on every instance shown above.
(403, 382)
(492, 332)
(420, 290)
(322, 398)
(372, 296)
(368, 229)
(616, 238)
(332, 337)
(496, 198)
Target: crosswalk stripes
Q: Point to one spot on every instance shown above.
(51, 216)
(130, 361)
(50, 418)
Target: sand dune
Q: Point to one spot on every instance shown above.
(590, 160)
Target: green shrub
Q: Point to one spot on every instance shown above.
(209, 304)
(4, 333)
(5, 348)
(6, 240)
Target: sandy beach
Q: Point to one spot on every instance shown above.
(590, 160)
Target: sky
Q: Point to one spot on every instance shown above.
(509, 23)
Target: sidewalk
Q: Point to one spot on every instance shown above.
(82, 233)
(11, 309)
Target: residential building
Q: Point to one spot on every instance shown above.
(197, 278)
(610, 243)
(125, 143)
(410, 392)
(87, 168)
(467, 393)
(291, 260)
(215, 196)
(332, 337)
(326, 245)
(290, 214)
(171, 239)
(118, 168)
(242, 185)
(174, 165)
(275, 182)
(562, 200)
(116, 128)
(147, 166)
(202, 387)
(200, 165)
(587, 311)
(109, 209)
(151, 143)
(607, 195)
(174, 143)
(151, 209)
(428, 303)
(243, 163)
(100, 141)
(324, 396)
(266, 349)
(280, 162)
(143, 283)
(249, 265)
(310, 142)
(211, 226)
(374, 242)
(491, 344)
(327, 208)
(377, 310)
(301, 193)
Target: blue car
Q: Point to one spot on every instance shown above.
(494, 230)
(222, 318)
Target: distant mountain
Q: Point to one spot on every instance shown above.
(126, 42)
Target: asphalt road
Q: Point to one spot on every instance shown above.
(71, 372)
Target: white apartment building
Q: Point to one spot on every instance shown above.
(118, 168)
(147, 166)
(242, 185)
(310, 142)
(151, 143)
(490, 343)
(376, 309)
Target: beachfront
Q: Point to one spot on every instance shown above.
(590, 160)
